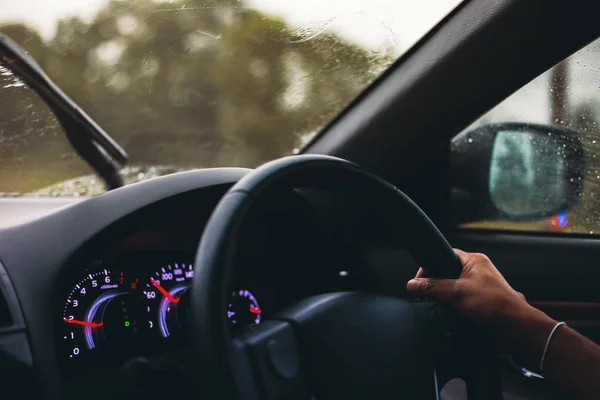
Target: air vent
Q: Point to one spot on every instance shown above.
(5, 317)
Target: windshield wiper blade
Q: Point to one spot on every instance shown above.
(89, 140)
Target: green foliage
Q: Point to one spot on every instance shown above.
(205, 85)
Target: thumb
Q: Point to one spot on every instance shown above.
(443, 289)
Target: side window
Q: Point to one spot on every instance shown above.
(532, 163)
(36, 156)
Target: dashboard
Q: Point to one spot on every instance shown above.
(108, 282)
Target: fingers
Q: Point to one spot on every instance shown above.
(475, 258)
(421, 273)
(443, 289)
(463, 256)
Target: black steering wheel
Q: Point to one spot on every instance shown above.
(344, 345)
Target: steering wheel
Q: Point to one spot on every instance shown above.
(344, 345)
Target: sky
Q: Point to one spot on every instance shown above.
(372, 23)
(43, 14)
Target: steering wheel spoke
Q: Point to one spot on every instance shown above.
(266, 363)
(360, 345)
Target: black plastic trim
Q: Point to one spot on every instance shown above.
(7, 292)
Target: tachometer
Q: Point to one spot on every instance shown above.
(167, 297)
(102, 309)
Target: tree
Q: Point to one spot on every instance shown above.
(203, 85)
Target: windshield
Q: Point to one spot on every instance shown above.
(197, 83)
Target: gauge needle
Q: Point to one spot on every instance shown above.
(84, 323)
(255, 310)
(164, 292)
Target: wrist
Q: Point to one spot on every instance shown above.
(526, 331)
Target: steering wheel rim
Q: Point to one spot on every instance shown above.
(215, 259)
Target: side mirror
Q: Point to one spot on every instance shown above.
(515, 171)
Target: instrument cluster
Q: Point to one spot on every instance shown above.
(139, 305)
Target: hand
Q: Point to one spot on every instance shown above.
(483, 295)
(480, 293)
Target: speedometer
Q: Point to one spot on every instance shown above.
(102, 309)
(168, 298)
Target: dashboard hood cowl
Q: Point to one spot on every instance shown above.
(90, 185)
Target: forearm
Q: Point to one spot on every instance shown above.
(572, 362)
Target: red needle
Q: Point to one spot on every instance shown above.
(90, 324)
(164, 292)
(255, 310)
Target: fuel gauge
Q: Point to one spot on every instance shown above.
(243, 309)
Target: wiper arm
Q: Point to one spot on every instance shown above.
(99, 150)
